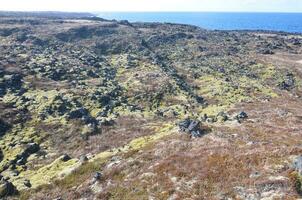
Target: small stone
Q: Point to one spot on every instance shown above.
(255, 175)
(97, 176)
(21, 161)
(27, 183)
(83, 158)
(65, 157)
(241, 116)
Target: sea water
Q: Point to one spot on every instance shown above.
(287, 22)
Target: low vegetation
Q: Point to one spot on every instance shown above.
(95, 108)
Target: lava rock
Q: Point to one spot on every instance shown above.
(78, 113)
(191, 127)
(83, 158)
(4, 127)
(65, 158)
(21, 161)
(13, 82)
(27, 183)
(6, 188)
(183, 125)
(241, 115)
(288, 83)
(196, 134)
(32, 148)
(199, 99)
(97, 176)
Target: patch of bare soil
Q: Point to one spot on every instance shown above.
(285, 61)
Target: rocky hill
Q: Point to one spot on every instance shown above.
(99, 109)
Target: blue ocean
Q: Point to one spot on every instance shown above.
(287, 22)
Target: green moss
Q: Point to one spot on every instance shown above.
(213, 110)
(79, 174)
(10, 153)
(17, 136)
(68, 172)
(45, 175)
(225, 94)
(41, 99)
(268, 72)
(56, 120)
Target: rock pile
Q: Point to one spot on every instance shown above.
(191, 127)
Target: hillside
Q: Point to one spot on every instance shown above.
(99, 109)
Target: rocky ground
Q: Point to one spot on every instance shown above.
(99, 109)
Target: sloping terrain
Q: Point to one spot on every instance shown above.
(99, 109)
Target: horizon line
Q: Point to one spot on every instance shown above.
(150, 11)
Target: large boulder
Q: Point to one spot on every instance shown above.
(191, 127)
